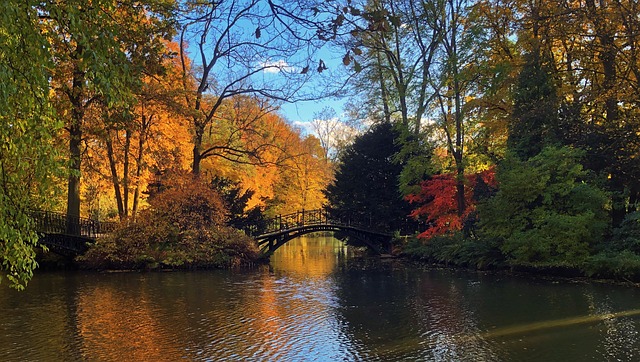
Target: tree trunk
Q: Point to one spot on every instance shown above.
(114, 176)
(76, 98)
(73, 191)
(457, 89)
(197, 146)
(383, 91)
(607, 57)
(125, 174)
(144, 126)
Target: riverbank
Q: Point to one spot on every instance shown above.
(464, 253)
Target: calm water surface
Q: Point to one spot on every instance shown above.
(316, 303)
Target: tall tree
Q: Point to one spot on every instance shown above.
(456, 81)
(95, 47)
(130, 137)
(238, 48)
(535, 114)
(365, 188)
(393, 51)
(28, 126)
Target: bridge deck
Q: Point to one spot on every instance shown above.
(68, 234)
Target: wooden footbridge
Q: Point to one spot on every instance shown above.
(283, 228)
(68, 235)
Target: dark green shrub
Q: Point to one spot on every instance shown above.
(544, 212)
(627, 236)
(623, 265)
(455, 250)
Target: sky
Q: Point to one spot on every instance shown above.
(301, 113)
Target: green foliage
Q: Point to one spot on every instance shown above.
(535, 113)
(619, 265)
(185, 227)
(455, 250)
(236, 200)
(627, 236)
(28, 157)
(415, 156)
(544, 212)
(365, 188)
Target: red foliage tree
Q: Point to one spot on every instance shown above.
(437, 202)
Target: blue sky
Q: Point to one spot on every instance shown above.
(301, 112)
(304, 111)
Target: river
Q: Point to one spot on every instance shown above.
(317, 302)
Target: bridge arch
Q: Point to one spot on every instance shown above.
(282, 229)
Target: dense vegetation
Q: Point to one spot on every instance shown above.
(186, 226)
(365, 186)
(510, 126)
(530, 111)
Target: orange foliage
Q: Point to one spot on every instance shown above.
(125, 152)
(291, 171)
(437, 200)
(189, 203)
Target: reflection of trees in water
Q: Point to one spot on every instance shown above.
(296, 303)
(41, 321)
(392, 312)
(317, 306)
(314, 256)
(130, 320)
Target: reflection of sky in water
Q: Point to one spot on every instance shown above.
(316, 303)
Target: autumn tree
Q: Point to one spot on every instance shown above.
(302, 178)
(426, 60)
(96, 47)
(436, 202)
(590, 47)
(141, 140)
(239, 49)
(184, 227)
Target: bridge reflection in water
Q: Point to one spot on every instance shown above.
(314, 256)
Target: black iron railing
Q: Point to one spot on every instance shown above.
(308, 218)
(50, 222)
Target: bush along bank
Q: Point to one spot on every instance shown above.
(184, 228)
(472, 253)
(546, 214)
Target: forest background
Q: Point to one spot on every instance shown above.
(515, 122)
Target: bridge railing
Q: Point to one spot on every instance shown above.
(306, 218)
(50, 222)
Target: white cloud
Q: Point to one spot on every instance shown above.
(306, 127)
(270, 66)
